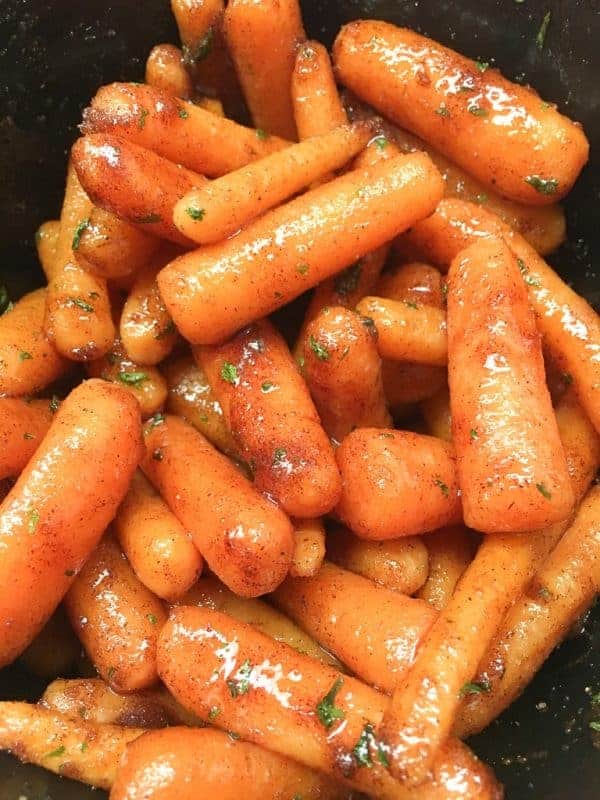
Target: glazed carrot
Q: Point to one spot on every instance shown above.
(172, 128)
(436, 412)
(48, 529)
(396, 483)
(78, 319)
(212, 292)
(407, 331)
(208, 592)
(544, 227)
(166, 71)
(191, 397)
(246, 540)
(569, 326)
(397, 564)
(210, 763)
(116, 618)
(405, 383)
(213, 212)
(511, 465)
(309, 548)
(389, 625)
(54, 651)
(426, 701)
(113, 248)
(23, 425)
(262, 39)
(146, 383)
(146, 329)
(46, 240)
(342, 370)
(516, 647)
(499, 131)
(84, 751)
(316, 103)
(298, 718)
(450, 551)
(157, 546)
(416, 281)
(200, 24)
(93, 700)
(563, 588)
(133, 183)
(268, 408)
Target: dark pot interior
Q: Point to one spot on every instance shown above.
(53, 56)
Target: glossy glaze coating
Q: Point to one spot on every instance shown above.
(191, 397)
(262, 39)
(309, 547)
(224, 206)
(511, 464)
(569, 325)
(23, 425)
(184, 764)
(396, 483)
(146, 329)
(342, 369)
(270, 413)
(426, 701)
(390, 626)
(449, 551)
(84, 751)
(46, 240)
(315, 99)
(78, 318)
(116, 618)
(501, 132)
(145, 383)
(398, 564)
(173, 128)
(278, 706)
(156, 544)
(245, 539)
(55, 514)
(166, 71)
(214, 291)
(133, 183)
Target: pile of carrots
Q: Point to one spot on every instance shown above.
(407, 475)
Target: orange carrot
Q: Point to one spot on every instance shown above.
(316, 102)
(262, 39)
(245, 539)
(55, 514)
(46, 241)
(173, 128)
(165, 70)
(213, 212)
(23, 424)
(270, 413)
(212, 292)
(309, 548)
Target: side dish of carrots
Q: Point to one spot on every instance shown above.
(292, 537)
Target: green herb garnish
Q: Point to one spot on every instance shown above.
(25, 356)
(29, 436)
(482, 65)
(77, 301)
(347, 281)
(182, 113)
(473, 434)
(197, 214)
(442, 111)
(229, 372)
(322, 353)
(542, 185)
(475, 687)
(132, 378)
(152, 619)
(60, 751)
(279, 454)
(442, 486)
(477, 111)
(261, 134)
(5, 303)
(543, 491)
(327, 711)
(33, 518)
(540, 38)
(142, 118)
(380, 142)
(241, 684)
(267, 387)
(79, 232)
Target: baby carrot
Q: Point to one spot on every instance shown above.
(214, 291)
(309, 547)
(271, 695)
(116, 618)
(342, 369)
(495, 129)
(133, 183)
(46, 241)
(166, 71)
(54, 515)
(316, 102)
(172, 128)
(28, 361)
(158, 547)
(436, 412)
(569, 325)
(246, 540)
(23, 425)
(396, 483)
(210, 763)
(270, 413)
(262, 39)
(450, 550)
(213, 212)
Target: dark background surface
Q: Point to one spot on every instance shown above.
(53, 56)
